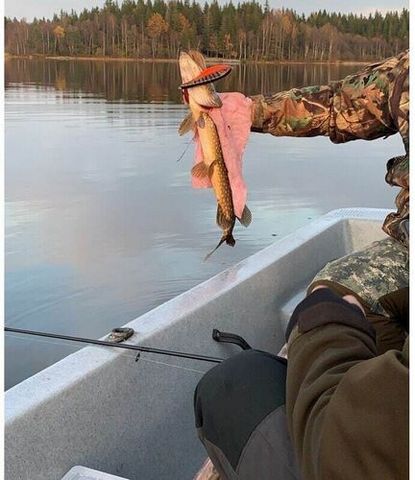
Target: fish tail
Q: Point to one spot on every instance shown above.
(228, 238)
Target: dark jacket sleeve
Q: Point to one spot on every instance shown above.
(347, 408)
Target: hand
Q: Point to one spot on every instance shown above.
(258, 113)
(348, 298)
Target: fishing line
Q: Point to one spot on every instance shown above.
(129, 356)
(126, 346)
(185, 150)
(193, 370)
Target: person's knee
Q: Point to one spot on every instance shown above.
(232, 398)
(231, 384)
(240, 417)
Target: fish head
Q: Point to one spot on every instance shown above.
(191, 65)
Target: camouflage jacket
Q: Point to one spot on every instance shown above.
(370, 104)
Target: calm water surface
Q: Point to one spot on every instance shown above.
(101, 222)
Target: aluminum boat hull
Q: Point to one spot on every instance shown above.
(100, 408)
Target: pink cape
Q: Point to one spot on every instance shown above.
(233, 123)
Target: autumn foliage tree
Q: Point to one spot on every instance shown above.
(59, 33)
(156, 27)
(244, 31)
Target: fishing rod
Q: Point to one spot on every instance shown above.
(128, 332)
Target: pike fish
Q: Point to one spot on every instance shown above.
(201, 96)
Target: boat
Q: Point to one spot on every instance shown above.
(105, 409)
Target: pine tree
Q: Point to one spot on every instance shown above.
(249, 30)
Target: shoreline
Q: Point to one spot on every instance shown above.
(231, 61)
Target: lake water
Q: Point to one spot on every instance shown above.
(101, 221)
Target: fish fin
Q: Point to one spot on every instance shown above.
(187, 124)
(198, 58)
(230, 240)
(225, 238)
(246, 217)
(205, 96)
(201, 122)
(200, 170)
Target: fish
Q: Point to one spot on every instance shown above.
(200, 99)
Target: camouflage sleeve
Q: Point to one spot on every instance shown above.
(361, 106)
(397, 224)
(371, 104)
(300, 112)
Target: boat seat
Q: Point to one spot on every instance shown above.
(83, 473)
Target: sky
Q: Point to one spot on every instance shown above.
(46, 8)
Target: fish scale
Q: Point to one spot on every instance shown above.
(219, 175)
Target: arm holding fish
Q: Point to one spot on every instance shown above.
(343, 111)
(371, 104)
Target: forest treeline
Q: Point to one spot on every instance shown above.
(246, 31)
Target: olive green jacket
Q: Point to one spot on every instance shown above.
(370, 104)
(347, 407)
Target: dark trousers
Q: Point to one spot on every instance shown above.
(240, 418)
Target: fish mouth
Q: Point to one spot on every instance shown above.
(189, 69)
(191, 66)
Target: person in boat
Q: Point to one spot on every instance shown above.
(338, 409)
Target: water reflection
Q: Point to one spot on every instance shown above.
(101, 221)
(143, 82)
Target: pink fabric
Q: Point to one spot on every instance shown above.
(233, 122)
